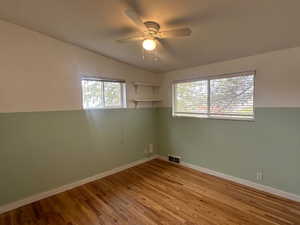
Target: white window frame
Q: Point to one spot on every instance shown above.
(101, 79)
(208, 115)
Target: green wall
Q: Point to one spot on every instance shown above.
(239, 148)
(40, 151)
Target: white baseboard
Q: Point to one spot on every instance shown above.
(252, 184)
(46, 194)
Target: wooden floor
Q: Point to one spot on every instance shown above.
(158, 192)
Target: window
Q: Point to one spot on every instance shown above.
(228, 96)
(100, 93)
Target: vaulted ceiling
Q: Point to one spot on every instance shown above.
(222, 29)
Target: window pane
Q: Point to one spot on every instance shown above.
(112, 94)
(232, 96)
(191, 97)
(92, 94)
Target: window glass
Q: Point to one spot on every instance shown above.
(112, 94)
(230, 96)
(102, 94)
(92, 94)
(191, 97)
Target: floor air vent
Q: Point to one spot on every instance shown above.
(175, 159)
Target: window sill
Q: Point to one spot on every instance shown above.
(90, 109)
(238, 118)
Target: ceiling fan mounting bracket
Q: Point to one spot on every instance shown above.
(152, 26)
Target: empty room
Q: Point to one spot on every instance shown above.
(149, 112)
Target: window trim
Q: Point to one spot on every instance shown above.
(208, 115)
(104, 79)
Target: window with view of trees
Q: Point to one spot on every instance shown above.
(230, 96)
(97, 93)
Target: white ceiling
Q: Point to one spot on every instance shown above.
(222, 29)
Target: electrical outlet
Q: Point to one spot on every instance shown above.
(259, 175)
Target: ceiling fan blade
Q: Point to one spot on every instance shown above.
(131, 39)
(135, 18)
(166, 49)
(182, 32)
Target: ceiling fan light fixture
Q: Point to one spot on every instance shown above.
(149, 44)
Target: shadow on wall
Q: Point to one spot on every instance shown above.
(44, 150)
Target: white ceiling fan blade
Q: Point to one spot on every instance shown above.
(131, 39)
(135, 18)
(182, 32)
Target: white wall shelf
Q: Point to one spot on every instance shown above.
(147, 100)
(152, 100)
(145, 84)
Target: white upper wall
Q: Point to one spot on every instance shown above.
(39, 73)
(277, 77)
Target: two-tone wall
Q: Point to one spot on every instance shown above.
(39, 73)
(46, 139)
(241, 148)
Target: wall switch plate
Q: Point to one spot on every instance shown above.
(259, 175)
(151, 148)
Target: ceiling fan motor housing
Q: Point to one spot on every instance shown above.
(152, 26)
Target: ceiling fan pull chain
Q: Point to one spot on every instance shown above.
(156, 55)
(143, 53)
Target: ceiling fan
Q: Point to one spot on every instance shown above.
(150, 31)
